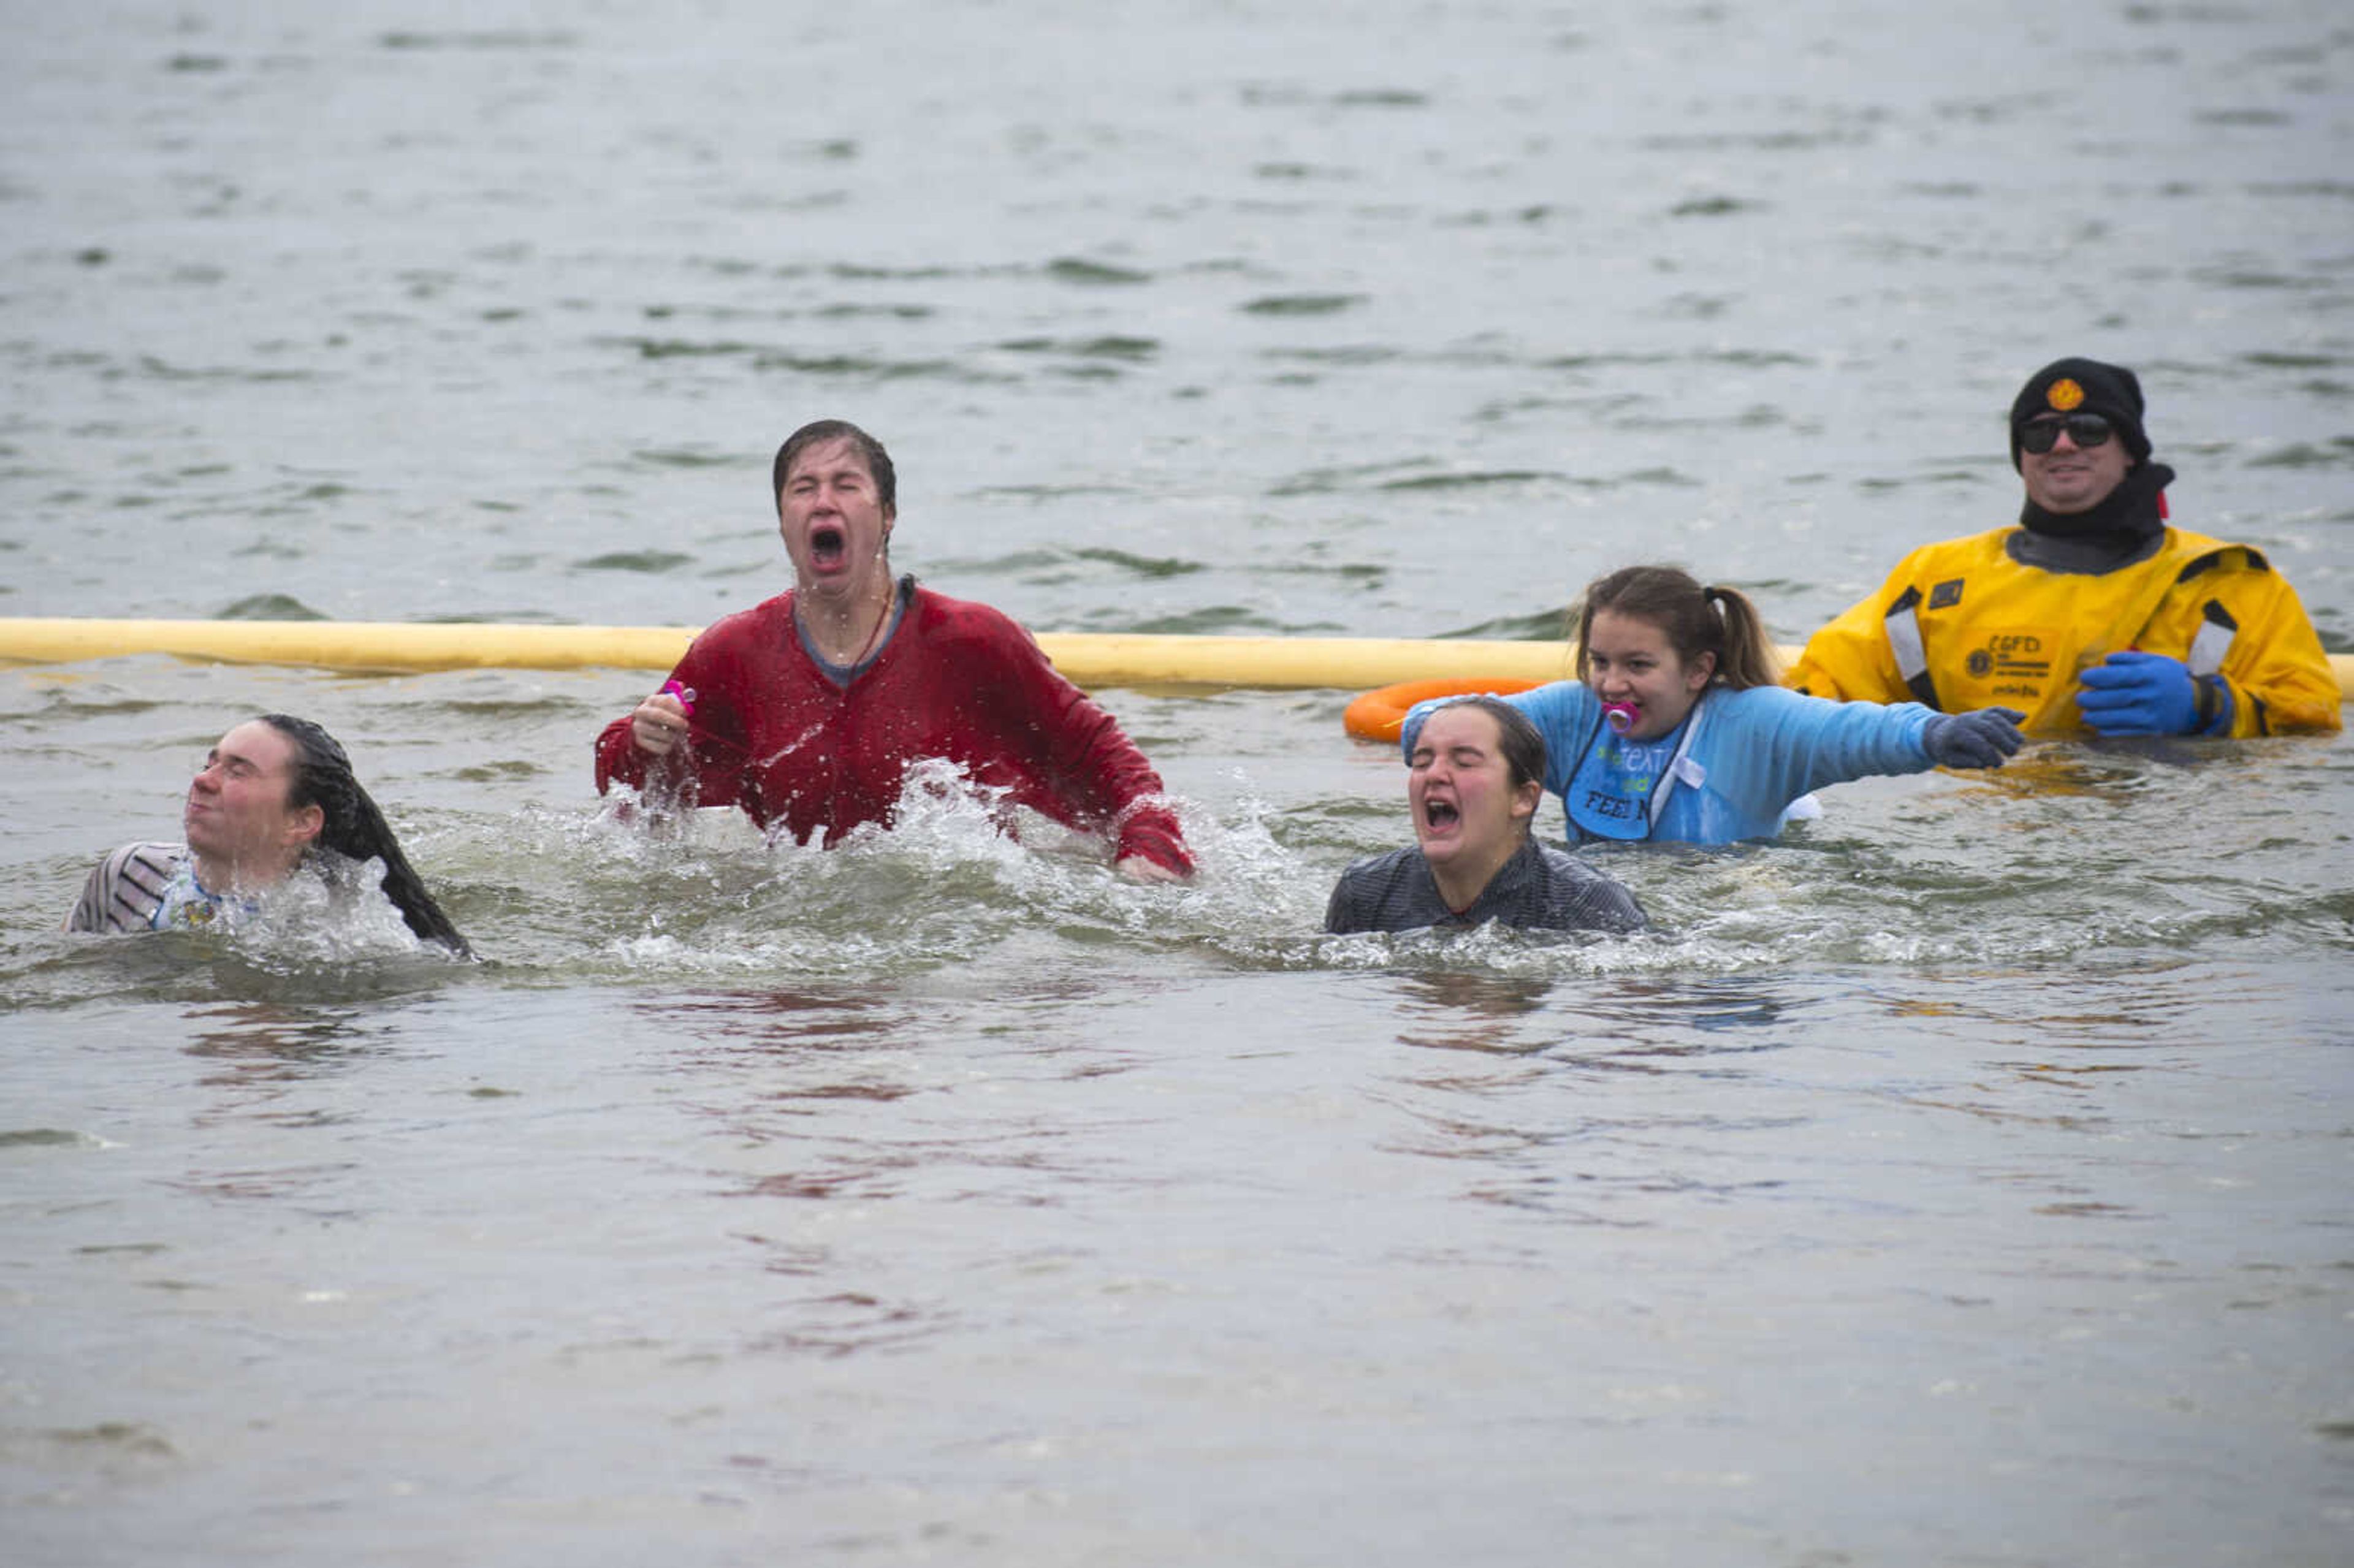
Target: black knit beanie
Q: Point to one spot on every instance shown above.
(2066, 385)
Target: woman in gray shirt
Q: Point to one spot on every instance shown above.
(1473, 781)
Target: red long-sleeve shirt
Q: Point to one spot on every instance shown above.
(772, 733)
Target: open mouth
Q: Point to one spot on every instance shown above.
(828, 545)
(1440, 815)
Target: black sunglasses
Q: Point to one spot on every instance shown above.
(2038, 435)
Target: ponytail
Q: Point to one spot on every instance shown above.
(356, 829)
(1748, 657)
(1694, 621)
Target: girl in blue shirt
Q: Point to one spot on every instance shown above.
(1675, 728)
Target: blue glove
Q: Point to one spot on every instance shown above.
(2139, 694)
(1980, 739)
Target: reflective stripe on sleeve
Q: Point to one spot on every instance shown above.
(2213, 641)
(1903, 627)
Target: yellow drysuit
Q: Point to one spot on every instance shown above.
(1960, 625)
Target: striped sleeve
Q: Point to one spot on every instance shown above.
(125, 888)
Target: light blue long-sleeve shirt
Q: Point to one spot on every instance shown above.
(1757, 751)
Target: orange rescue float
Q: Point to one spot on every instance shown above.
(1381, 714)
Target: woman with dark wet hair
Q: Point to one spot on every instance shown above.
(271, 794)
(1474, 777)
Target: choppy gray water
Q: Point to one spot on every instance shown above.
(1963, 1180)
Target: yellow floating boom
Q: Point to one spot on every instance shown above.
(372, 647)
(1091, 659)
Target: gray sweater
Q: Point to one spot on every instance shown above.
(1541, 887)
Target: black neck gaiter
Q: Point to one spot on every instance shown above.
(2127, 517)
(2124, 528)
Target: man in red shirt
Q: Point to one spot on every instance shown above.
(806, 710)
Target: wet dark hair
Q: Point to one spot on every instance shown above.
(1694, 619)
(1517, 736)
(355, 829)
(825, 432)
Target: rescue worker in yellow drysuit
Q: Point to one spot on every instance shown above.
(2093, 615)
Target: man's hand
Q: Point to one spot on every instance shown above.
(2138, 694)
(659, 723)
(1144, 868)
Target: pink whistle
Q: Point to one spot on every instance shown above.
(685, 694)
(1619, 717)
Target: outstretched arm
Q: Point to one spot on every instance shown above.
(1097, 770)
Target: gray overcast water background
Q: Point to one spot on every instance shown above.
(1963, 1180)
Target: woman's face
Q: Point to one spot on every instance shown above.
(237, 817)
(1465, 808)
(1630, 661)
